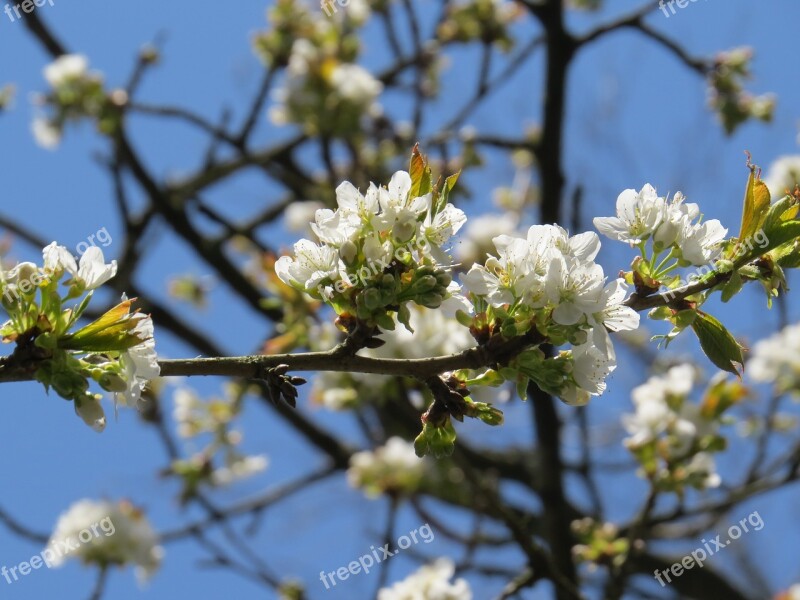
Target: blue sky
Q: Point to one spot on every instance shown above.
(634, 116)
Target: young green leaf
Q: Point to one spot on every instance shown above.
(718, 344)
(756, 203)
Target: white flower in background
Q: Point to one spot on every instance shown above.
(638, 216)
(46, 134)
(318, 87)
(393, 467)
(355, 83)
(298, 216)
(241, 468)
(666, 418)
(65, 68)
(476, 239)
(793, 593)
(783, 175)
(189, 413)
(335, 391)
(436, 333)
(776, 359)
(701, 243)
(124, 536)
(356, 12)
(139, 363)
(430, 582)
(703, 464)
(25, 271)
(653, 413)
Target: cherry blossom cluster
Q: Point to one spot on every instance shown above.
(377, 252)
(325, 91)
(76, 92)
(131, 542)
(429, 581)
(220, 462)
(393, 469)
(776, 360)
(117, 350)
(674, 438)
(548, 282)
(672, 226)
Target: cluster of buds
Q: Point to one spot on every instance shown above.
(480, 20)
(673, 438)
(281, 386)
(75, 93)
(220, 462)
(451, 398)
(599, 544)
(727, 96)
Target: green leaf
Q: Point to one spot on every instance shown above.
(485, 412)
(732, 287)
(756, 204)
(718, 344)
(444, 196)
(420, 174)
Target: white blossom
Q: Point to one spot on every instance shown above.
(593, 361)
(477, 236)
(653, 413)
(430, 582)
(46, 134)
(638, 216)
(576, 288)
(311, 266)
(394, 466)
(776, 359)
(701, 243)
(615, 316)
(124, 536)
(89, 409)
(239, 469)
(65, 68)
(139, 363)
(355, 83)
(783, 175)
(298, 216)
